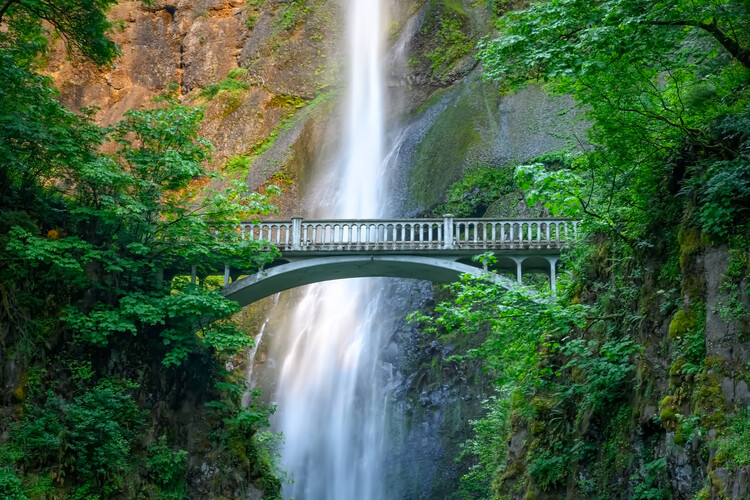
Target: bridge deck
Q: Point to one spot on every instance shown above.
(434, 249)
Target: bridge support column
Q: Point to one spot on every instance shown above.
(296, 233)
(448, 231)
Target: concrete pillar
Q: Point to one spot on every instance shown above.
(193, 274)
(448, 231)
(296, 233)
(226, 274)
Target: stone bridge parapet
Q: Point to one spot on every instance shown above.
(448, 235)
(439, 250)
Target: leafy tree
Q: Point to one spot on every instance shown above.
(84, 25)
(99, 229)
(665, 85)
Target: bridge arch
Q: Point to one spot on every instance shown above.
(304, 272)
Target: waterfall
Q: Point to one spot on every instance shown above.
(331, 399)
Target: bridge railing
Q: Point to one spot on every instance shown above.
(447, 233)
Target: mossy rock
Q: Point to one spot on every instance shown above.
(709, 401)
(683, 321)
(690, 242)
(716, 364)
(442, 154)
(676, 369)
(669, 413)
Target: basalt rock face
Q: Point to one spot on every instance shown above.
(289, 53)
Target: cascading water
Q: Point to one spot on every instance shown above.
(330, 394)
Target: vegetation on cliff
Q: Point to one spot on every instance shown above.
(626, 384)
(103, 337)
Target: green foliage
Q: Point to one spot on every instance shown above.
(10, 485)
(604, 369)
(733, 448)
(233, 85)
(666, 88)
(240, 435)
(137, 210)
(486, 451)
(558, 190)
(90, 438)
(83, 25)
(477, 190)
(648, 487)
(102, 425)
(559, 367)
(96, 243)
(446, 22)
(571, 38)
(167, 469)
(732, 308)
(292, 13)
(549, 467)
(530, 348)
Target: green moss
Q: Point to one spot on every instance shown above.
(291, 14)
(232, 84)
(679, 436)
(677, 366)
(669, 413)
(682, 322)
(709, 401)
(693, 285)
(251, 20)
(434, 98)
(668, 418)
(537, 427)
(287, 101)
(717, 364)
(445, 150)
(689, 239)
(601, 258)
(241, 164)
(453, 44)
(455, 6)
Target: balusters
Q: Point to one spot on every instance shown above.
(479, 234)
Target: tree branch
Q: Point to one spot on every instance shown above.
(742, 54)
(5, 8)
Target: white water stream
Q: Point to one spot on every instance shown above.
(331, 397)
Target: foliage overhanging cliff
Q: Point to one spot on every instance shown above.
(633, 381)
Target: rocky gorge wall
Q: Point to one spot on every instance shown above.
(269, 74)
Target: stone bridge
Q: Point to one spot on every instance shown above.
(439, 250)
